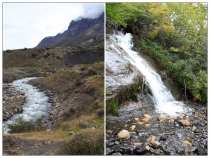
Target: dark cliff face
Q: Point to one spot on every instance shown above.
(82, 32)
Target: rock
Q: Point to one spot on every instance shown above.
(126, 149)
(163, 137)
(193, 128)
(132, 127)
(184, 122)
(141, 123)
(126, 125)
(151, 140)
(186, 142)
(108, 131)
(108, 151)
(147, 116)
(197, 131)
(139, 150)
(84, 125)
(181, 117)
(110, 143)
(146, 119)
(169, 120)
(137, 144)
(124, 134)
(188, 138)
(147, 125)
(180, 151)
(194, 149)
(156, 144)
(136, 119)
(147, 148)
(201, 150)
(117, 154)
(166, 149)
(162, 117)
(157, 152)
(116, 142)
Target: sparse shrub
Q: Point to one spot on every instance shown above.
(33, 55)
(92, 72)
(25, 49)
(82, 68)
(101, 112)
(48, 54)
(45, 56)
(22, 125)
(59, 58)
(85, 142)
(78, 83)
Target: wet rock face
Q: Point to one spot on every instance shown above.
(119, 70)
(161, 137)
(123, 80)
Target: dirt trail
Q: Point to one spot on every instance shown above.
(18, 146)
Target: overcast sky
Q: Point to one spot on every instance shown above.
(26, 24)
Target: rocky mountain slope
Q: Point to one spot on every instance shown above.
(82, 32)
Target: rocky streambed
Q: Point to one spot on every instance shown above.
(140, 130)
(12, 101)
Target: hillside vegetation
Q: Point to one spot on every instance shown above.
(174, 35)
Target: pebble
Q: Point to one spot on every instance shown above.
(184, 136)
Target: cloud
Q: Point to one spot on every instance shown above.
(26, 24)
(93, 10)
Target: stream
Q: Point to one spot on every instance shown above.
(36, 104)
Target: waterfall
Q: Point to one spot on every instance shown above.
(162, 97)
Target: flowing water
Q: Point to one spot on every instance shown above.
(36, 104)
(162, 97)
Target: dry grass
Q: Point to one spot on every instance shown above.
(85, 142)
(55, 135)
(61, 133)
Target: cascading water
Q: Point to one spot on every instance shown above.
(36, 105)
(162, 98)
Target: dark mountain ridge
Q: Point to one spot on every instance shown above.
(80, 32)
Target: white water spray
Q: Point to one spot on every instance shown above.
(163, 99)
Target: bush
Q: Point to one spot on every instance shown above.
(33, 55)
(85, 142)
(78, 83)
(22, 125)
(59, 58)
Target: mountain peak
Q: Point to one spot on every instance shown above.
(80, 32)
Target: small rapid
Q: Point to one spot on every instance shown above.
(36, 104)
(162, 97)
